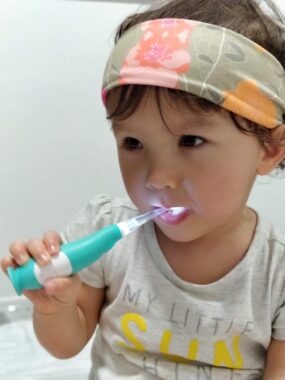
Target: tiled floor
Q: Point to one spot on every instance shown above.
(22, 357)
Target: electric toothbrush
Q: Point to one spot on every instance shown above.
(79, 254)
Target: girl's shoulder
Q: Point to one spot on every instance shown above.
(270, 240)
(100, 211)
(272, 232)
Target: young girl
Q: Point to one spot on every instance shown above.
(195, 92)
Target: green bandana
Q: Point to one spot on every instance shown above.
(205, 60)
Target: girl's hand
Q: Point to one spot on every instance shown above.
(57, 293)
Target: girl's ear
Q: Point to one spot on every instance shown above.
(274, 152)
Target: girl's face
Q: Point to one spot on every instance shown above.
(200, 162)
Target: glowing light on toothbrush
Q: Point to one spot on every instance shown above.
(177, 210)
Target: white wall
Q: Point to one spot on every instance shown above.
(56, 150)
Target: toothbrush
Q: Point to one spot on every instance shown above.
(77, 255)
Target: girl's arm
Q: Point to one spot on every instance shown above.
(65, 332)
(275, 362)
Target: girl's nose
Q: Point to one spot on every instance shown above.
(161, 175)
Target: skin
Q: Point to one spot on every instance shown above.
(200, 162)
(207, 165)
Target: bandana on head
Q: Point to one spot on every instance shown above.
(209, 61)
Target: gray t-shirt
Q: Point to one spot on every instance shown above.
(155, 325)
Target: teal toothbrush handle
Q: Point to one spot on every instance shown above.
(72, 258)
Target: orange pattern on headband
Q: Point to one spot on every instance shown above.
(246, 99)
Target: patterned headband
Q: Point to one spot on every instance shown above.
(208, 61)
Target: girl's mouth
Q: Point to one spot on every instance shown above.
(174, 215)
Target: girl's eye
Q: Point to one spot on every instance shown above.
(190, 141)
(131, 143)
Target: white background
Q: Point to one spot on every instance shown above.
(56, 148)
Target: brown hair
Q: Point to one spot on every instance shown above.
(242, 16)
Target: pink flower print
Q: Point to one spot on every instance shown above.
(179, 61)
(169, 23)
(159, 53)
(155, 69)
(176, 31)
(156, 53)
(148, 35)
(163, 50)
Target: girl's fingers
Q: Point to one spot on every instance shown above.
(35, 296)
(39, 251)
(62, 288)
(6, 262)
(19, 252)
(52, 241)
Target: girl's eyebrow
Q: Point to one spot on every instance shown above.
(118, 125)
(188, 124)
(196, 125)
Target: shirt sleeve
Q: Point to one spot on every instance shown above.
(94, 216)
(278, 326)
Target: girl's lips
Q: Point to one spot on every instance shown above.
(174, 217)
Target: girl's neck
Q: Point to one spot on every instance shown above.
(210, 258)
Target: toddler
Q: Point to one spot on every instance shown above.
(195, 92)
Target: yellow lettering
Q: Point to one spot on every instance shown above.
(193, 349)
(164, 349)
(130, 336)
(223, 356)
